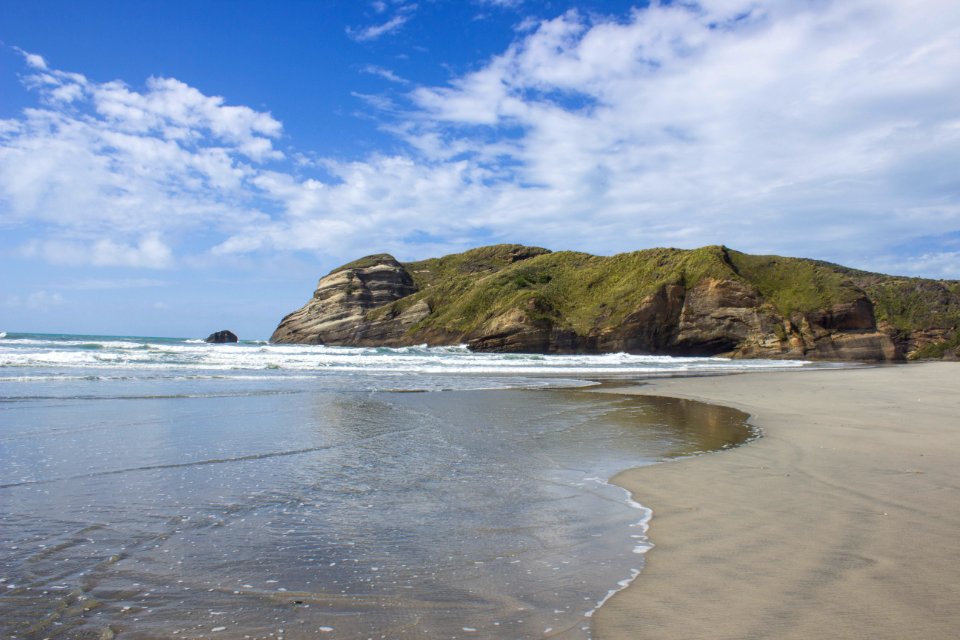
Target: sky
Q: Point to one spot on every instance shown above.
(175, 168)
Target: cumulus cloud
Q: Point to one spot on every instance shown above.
(373, 203)
(167, 108)
(106, 171)
(825, 129)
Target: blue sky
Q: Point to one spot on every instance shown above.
(175, 168)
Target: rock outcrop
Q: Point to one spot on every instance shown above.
(222, 337)
(709, 301)
(337, 313)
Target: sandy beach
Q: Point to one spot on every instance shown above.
(843, 521)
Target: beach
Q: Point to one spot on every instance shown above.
(842, 521)
(165, 486)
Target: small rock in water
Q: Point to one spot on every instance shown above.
(221, 337)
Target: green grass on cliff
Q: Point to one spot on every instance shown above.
(568, 289)
(469, 265)
(442, 281)
(364, 262)
(581, 292)
(913, 303)
(795, 285)
(590, 291)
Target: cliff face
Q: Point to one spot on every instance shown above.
(337, 312)
(708, 301)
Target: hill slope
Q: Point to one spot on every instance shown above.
(706, 301)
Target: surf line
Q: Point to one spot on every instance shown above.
(641, 546)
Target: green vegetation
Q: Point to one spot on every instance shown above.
(939, 349)
(795, 285)
(583, 293)
(364, 262)
(570, 290)
(909, 304)
(469, 264)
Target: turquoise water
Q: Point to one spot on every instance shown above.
(170, 488)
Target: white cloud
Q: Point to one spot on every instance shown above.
(374, 32)
(386, 74)
(374, 203)
(403, 12)
(33, 60)
(108, 170)
(177, 111)
(36, 301)
(825, 129)
(150, 252)
(770, 126)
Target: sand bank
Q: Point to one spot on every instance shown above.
(843, 521)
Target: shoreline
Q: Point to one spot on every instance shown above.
(840, 522)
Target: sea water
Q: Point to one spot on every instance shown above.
(161, 488)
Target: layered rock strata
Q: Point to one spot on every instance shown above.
(337, 312)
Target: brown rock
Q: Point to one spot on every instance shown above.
(649, 329)
(717, 317)
(337, 312)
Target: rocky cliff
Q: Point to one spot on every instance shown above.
(707, 301)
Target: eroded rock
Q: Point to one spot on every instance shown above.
(222, 337)
(336, 314)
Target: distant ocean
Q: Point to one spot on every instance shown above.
(166, 487)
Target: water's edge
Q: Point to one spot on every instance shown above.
(644, 543)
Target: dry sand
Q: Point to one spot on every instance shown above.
(843, 521)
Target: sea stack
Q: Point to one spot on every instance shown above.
(221, 337)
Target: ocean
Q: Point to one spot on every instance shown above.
(158, 487)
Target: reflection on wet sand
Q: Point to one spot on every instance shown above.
(342, 512)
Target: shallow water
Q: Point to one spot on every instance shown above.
(186, 504)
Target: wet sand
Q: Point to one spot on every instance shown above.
(843, 521)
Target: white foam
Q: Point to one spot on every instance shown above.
(198, 358)
(320, 358)
(642, 545)
(623, 584)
